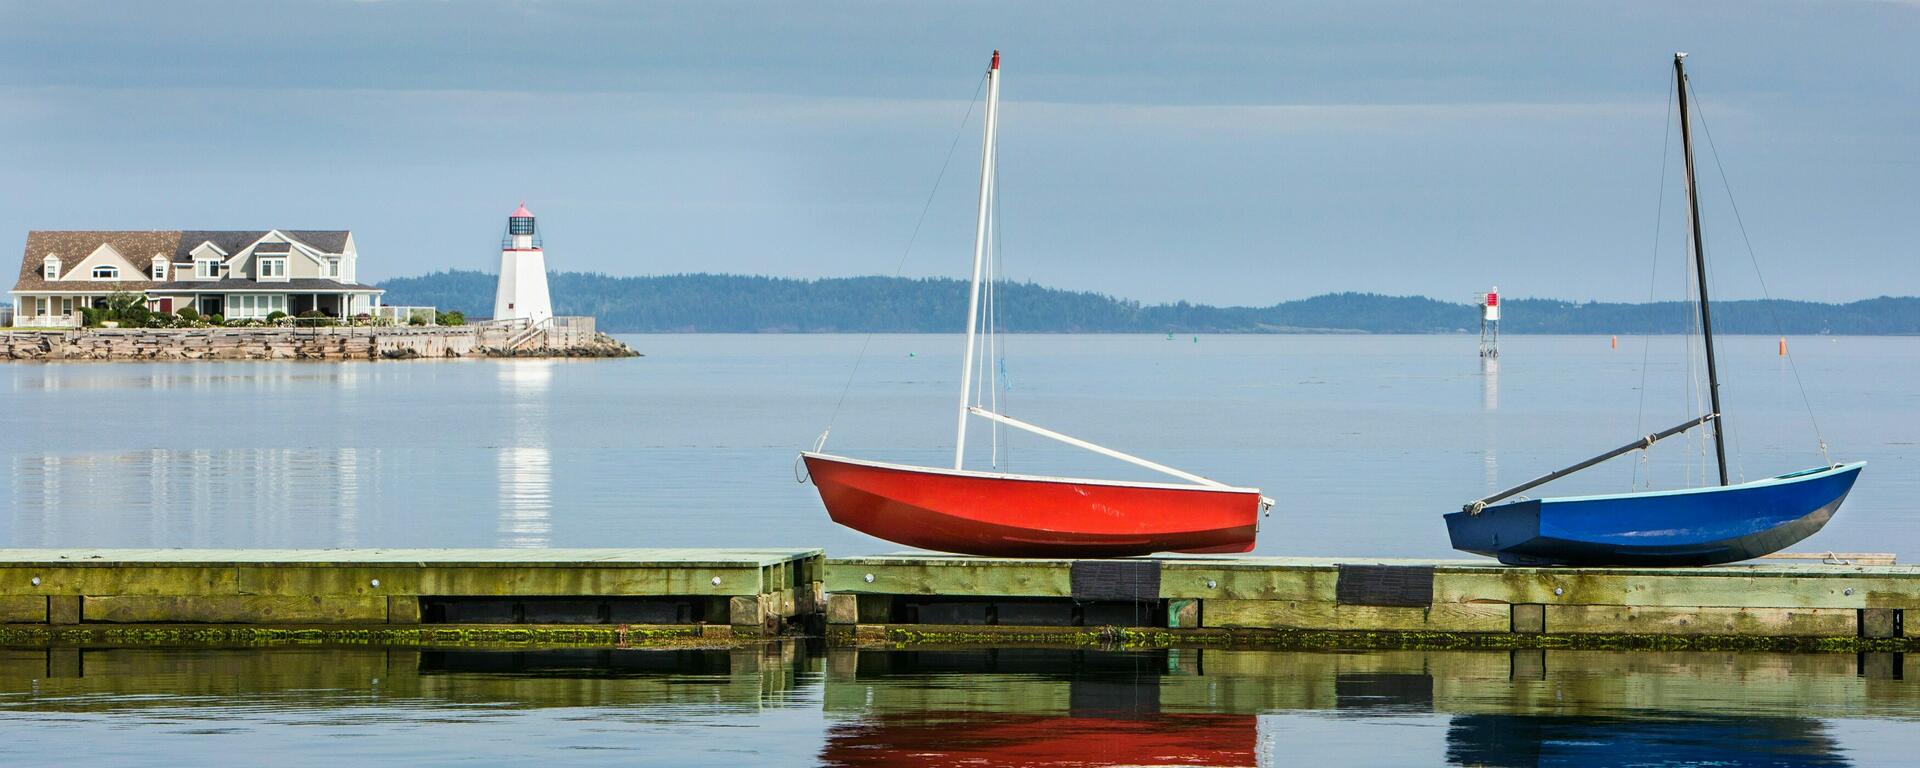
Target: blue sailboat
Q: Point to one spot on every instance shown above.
(1696, 526)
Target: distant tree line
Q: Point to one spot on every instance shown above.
(749, 304)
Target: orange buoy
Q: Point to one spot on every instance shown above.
(1616, 342)
(1783, 346)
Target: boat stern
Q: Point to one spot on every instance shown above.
(1495, 531)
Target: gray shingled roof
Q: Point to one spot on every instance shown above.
(233, 241)
(138, 246)
(240, 285)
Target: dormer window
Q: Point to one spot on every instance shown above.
(159, 270)
(50, 269)
(333, 267)
(273, 268)
(106, 272)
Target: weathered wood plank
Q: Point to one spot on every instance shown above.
(843, 609)
(23, 609)
(1707, 587)
(1004, 578)
(403, 610)
(1653, 620)
(234, 609)
(1288, 614)
(63, 609)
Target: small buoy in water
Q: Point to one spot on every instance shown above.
(910, 354)
(1616, 342)
(1196, 339)
(1783, 346)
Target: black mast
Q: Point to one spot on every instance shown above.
(1700, 266)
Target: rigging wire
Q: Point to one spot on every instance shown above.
(911, 239)
(1773, 315)
(1653, 281)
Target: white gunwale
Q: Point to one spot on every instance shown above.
(970, 473)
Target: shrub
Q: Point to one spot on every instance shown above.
(312, 313)
(274, 316)
(90, 317)
(163, 320)
(216, 320)
(119, 303)
(190, 315)
(136, 316)
(451, 317)
(416, 320)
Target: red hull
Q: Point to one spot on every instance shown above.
(975, 513)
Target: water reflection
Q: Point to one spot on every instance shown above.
(525, 464)
(1017, 707)
(181, 497)
(1533, 740)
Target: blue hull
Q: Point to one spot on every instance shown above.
(1697, 526)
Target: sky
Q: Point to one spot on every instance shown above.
(1228, 153)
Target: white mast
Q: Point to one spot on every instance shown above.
(979, 254)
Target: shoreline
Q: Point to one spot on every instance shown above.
(326, 344)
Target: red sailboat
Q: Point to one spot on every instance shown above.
(1010, 515)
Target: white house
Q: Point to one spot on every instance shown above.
(236, 274)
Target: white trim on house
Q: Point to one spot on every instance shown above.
(50, 268)
(160, 269)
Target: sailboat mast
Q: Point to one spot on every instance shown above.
(979, 255)
(1700, 266)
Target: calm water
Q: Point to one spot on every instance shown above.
(1365, 440)
(790, 705)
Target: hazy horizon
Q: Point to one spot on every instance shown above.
(1228, 154)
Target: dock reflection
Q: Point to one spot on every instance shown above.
(1045, 707)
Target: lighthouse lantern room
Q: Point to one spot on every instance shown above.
(522, 294)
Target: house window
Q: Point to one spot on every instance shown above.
(66, 306)
(40, 306)
(106, 272)
(159, 270)
(206, 269)
(50, 269)
(273, 268)
(255, 305)
(333, 267)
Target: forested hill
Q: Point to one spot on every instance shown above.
(745, 304)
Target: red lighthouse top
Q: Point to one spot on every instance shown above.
(996, 60)
(521, 213)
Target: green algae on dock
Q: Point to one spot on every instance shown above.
(595, 596)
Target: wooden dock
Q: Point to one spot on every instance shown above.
(618, 597)
(1367, 603)
(592, 596)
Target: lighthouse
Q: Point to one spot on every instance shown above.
(1490, 324)
(522, 294)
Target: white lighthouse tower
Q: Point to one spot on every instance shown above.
(523, 272)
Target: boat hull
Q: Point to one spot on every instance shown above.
(1699, 526)
(976, 513)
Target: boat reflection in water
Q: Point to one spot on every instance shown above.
(1679, 739)
(763, 705)
(1014, 707)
